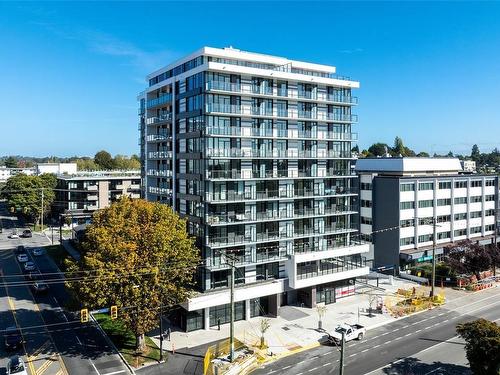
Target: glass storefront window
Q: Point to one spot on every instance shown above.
(223, 313)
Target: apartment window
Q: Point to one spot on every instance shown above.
(489, 228)
(475, 230)
(460, 232)
(490, 183)
(425, 220)
(406, 241)
(366, 186)
(444, 202)
(194, 82)
(426, 186)
(407, 205)
(406, 223)
(426, 203)
(366, 203)
(445, 185)
(489, 198)
(443, 218)
(476, 183)
(461, 200)
(424, 238)
(443, 235)
(366, 220)
(460, 184)
(407, 187)
(476, 199)
(461, 216)
(475, 214)
(490, 212)
(194, 102)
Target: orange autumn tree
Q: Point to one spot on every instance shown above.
(138, 256)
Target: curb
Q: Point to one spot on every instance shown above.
(108, 340)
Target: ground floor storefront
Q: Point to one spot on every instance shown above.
(262, 306)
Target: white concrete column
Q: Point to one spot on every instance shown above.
(206, 318)
(247, 309)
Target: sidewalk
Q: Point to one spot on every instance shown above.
(295, 329)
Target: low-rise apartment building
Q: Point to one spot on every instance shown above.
(401, 198)
(79, 195)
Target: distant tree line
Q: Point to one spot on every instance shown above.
(102, 160)
(483, 160)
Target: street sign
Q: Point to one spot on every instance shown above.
(101, 311)
(424, 259)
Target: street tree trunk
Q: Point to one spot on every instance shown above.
(140, 342)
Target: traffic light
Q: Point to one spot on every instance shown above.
(114, 312)
(84, 315)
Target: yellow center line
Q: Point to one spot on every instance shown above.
(45, 366)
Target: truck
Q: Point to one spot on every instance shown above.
(351, 332)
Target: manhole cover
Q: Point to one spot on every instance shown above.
(285, 328)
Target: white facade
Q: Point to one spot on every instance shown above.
(56, 168)
(417, 194)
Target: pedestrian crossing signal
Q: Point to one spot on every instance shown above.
(84, 315)
(114, 312)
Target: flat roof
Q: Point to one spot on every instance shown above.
(409, 165)
(101, 175)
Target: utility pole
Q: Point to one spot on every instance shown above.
(433, 278)
(342, 345)
(495, 239)
(161, 332)
(42, 211)
(231, 323)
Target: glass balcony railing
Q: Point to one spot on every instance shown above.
(308, 247)
(307, 94)
(223, 86)
(341, 117)
(275, 153)
(163, 99)
(161, 118)
(330, 266)
(159, 137)
(262, 89)
(160, 172)
(160, 154)
(159, 190)
(342, 99)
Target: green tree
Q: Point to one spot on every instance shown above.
(24, 195)
(86, 164)
(475, 154)
(104, 160)
(423, 154)
(355, 149)
(11, 162)
(378, 149)
(140, 257)
(482, 346)
(399, 148)
(125, 163)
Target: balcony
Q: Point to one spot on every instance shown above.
(344, 99)
(163, 99)
(159, 190)
(161, 118)
(223, 86)
(250, 111)
(160, 154)
(160, 172)
(343, 246)
(159, 137)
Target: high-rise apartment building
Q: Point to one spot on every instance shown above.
(401, 198)
(255, 151)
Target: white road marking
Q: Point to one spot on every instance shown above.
(365, 350)
(418, 330)
(327, 364)
(313, 369)
(115, 372)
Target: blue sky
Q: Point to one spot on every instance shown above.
(70, 71)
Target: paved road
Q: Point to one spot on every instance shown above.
(399, 345)
(56, 342)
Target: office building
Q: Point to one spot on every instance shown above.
(56, 168)
(79, 195)
(401, 198)
(255, 151)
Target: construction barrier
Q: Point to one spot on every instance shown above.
(219, 350)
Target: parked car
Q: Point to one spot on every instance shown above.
(22, 258)
(13, 338)
(29, 266)
(20, 249)
(39, 288)
(13, 236)
(27, 233)
(38, 251)
(16, 366)
(351, 332)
